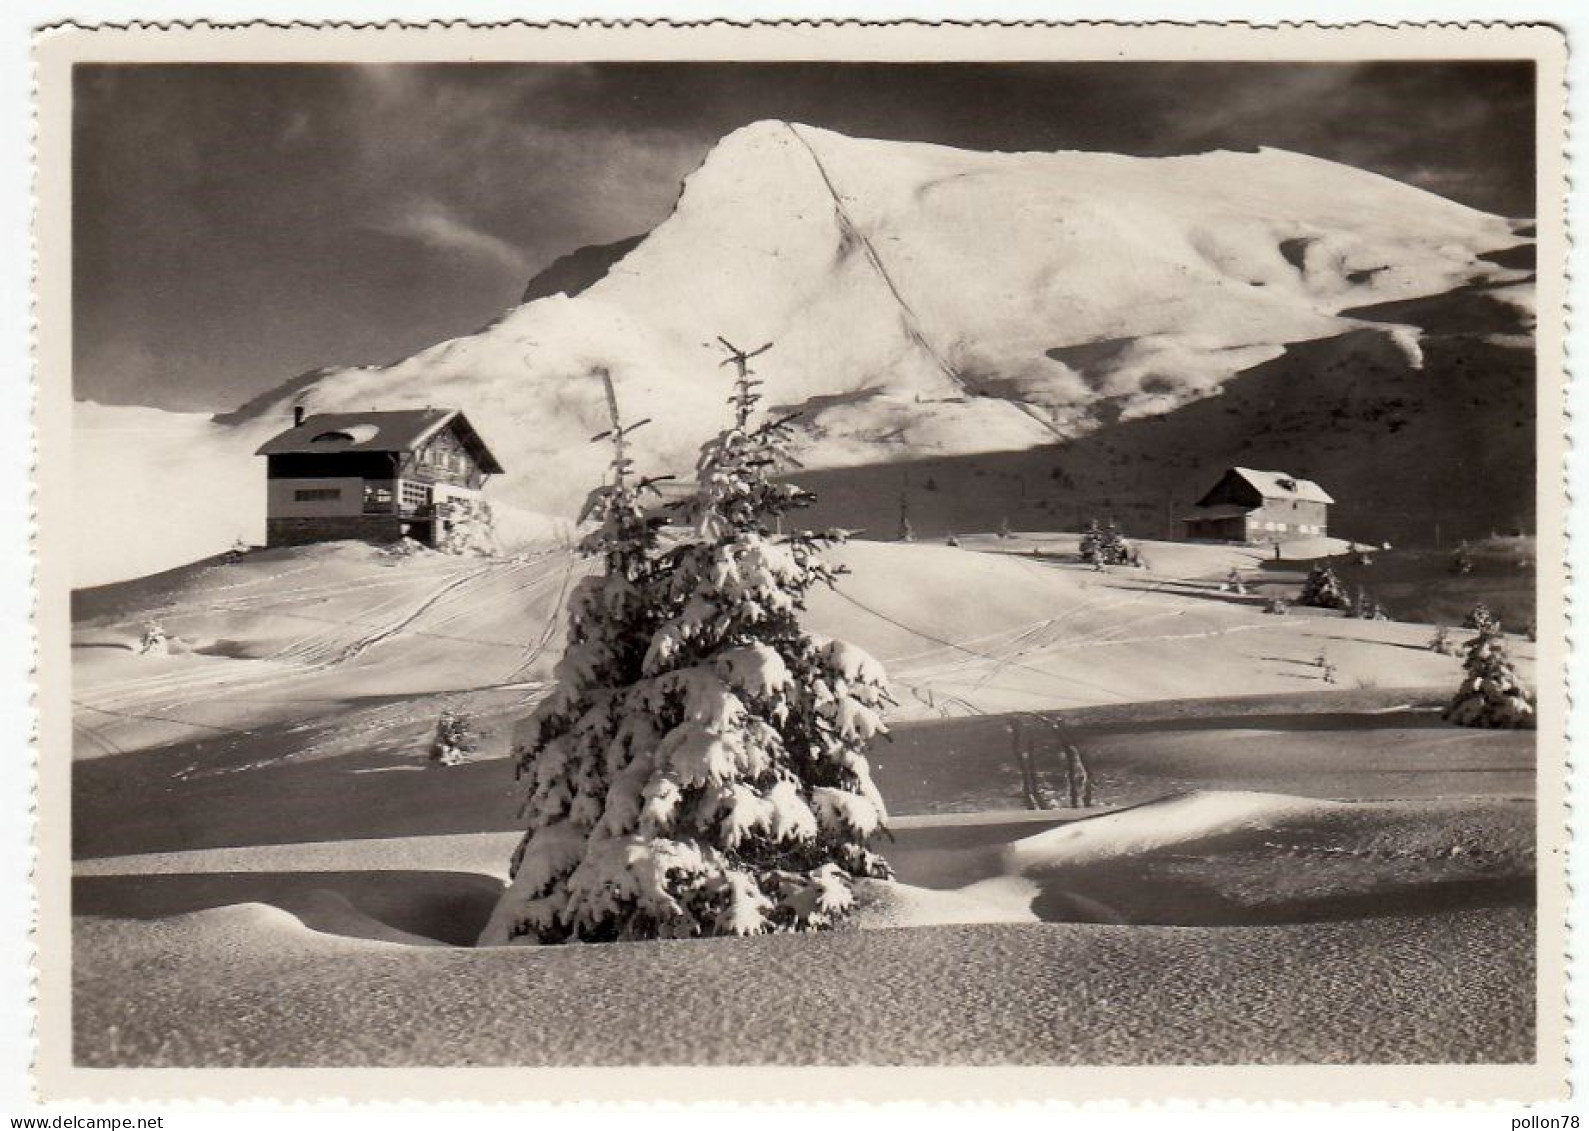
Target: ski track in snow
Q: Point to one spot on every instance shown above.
(1031, 665)
(985, 658)
(158, 698)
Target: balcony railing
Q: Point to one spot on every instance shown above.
(405, 510)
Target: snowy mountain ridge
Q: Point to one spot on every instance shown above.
(930, 301)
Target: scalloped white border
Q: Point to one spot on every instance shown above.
(796, 38)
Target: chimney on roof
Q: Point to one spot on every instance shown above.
(297, 415)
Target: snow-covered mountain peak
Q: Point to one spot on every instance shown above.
(926, 300)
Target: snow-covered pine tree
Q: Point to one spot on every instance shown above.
(1092, 541)
(1115, 551)
(1004, 528)
(562, 748)
(1323, 590)
(1441, 642)
(1461, 560)
(738, 797)
(1481, 620)
(455, 741)
(1106, 546)
(154, 641)
(1491, 695)
(470, 528)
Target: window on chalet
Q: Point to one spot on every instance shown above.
(415, 496)
(377, 499)
(316, 494)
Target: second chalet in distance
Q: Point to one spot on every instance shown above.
(1260, 507)
(375, 476)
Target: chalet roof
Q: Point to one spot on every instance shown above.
(400, 430)
(1281, 485)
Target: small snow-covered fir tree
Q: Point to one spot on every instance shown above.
(1004, 528)
(731, 789)
(470, 528)
(1481, 620)
(1233, 583)
(1461, 560)
(1092, 543)
(154, 641)
(1105, 545)
(1115, 551)
(905, 533)
(1442, 643)
(1491, 695)
(1323, 590)
(455, 741)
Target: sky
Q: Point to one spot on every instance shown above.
(237, 225)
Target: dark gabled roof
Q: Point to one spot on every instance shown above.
(1279, 485)
(1270, 485)
(402, 430)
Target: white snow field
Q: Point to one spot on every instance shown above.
(268, 871)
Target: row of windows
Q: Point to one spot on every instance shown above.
(376, 496)
(415, 494)
(1300, 528)
(445, 458)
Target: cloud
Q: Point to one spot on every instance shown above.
(432, 224)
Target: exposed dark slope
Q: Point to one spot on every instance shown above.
(572, 273)
(1412, 456)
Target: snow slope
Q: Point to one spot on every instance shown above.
(926, 301)
(321, 650)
